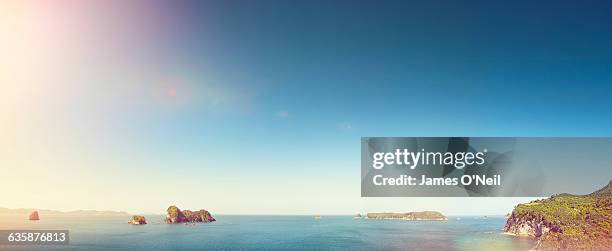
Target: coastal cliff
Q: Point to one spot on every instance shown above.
(425, 215)
(175, 215)
(566, 221)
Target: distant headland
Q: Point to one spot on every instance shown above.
(566, 221)
(27, 211)
(425, 215)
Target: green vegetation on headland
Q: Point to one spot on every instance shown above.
(425, 215)
(566, 221)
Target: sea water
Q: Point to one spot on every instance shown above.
(264, 232)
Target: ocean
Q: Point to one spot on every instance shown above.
(264, 232)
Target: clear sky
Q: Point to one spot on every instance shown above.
(259, 106)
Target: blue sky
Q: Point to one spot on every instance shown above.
(487, 69)
(342, 70)
(266, 101)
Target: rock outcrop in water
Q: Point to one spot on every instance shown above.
(566, 221)
(34, 216)
(425, 215)
(138, 220)
(175, 215)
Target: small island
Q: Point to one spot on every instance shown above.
(424, 216)
(138, 220)
(566, 221)
(34, 216)
(175, 215)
